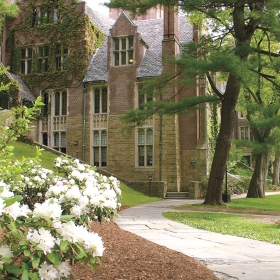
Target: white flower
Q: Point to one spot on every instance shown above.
(15, 210)
(5, 252)
(64, 269)
(43, 238)
(109, 194)
(81, 167)
(73, 193)
(76, 210)
(47, 272)
(6, 193)
(2, 206)
(49, 209)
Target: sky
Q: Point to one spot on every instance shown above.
(95, 5)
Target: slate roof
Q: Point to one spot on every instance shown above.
(101, 21)
(151, 32)
(24, 92)
(97, 70)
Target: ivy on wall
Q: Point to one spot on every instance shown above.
(72, 29)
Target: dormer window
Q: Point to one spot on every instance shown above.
(123, 51)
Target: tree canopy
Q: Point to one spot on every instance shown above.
(7, 9)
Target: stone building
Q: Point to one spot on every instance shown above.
(89, 70)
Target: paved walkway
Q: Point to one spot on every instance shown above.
(230, 257)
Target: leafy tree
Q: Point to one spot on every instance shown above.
(7, 9)
(261, 100)
(226, 48)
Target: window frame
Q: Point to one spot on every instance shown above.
(245, 130)
(100, 100)
(58, 144)
(60, 103)
(123, 54)
(145, 149)
(26, 60)
(100, 144)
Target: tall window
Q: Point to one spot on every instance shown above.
(43, 58)
(143, 98)
(245, 133)
(60, 103)
(61, 53)
(33, 17)
(100, 148)
(123, 51)
(145, 147)
(46, 104)
(100, 100)
(45, 139)
(59, 139)
(26, 60)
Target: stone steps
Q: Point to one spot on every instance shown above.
(177, 195)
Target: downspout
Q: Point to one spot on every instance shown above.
(160, 147)
(84, 123)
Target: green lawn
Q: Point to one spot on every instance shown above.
(269, 205)
(231, 224)
(239, 225)
(130, 197)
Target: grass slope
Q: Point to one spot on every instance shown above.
(130, 197)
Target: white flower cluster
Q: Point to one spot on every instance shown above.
(50, 272)
(15, 210)
(91, 241)
(85, 190)
(35, 177)
(83, 194)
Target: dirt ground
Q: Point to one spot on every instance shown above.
(128, 256)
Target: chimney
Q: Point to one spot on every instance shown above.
(170, 43)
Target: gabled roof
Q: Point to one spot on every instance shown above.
(151, 32)
(24, 92)
(123, 14)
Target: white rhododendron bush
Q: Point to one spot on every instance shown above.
(45, 215)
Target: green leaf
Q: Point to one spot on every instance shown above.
(27, 253)
(16, 234)
(10, 201)
(35, 262)
(66, 218)
(64, 244)
(81, 253)
(24, 275)
(34, 276)
(54, 257)
(13, 269)
(6, 260)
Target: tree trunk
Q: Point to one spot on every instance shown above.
(276, 166)
(258, 180)
(218, 168)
